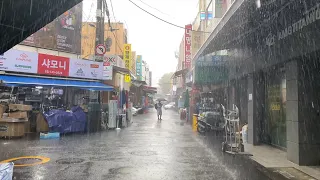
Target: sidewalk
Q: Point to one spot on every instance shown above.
(275, 161)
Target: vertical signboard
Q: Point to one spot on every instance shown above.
(53, 65)
(127, 55)
(133, 62)
(187, 46)
(196, 42)
(139, 67)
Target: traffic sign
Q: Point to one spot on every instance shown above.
(101, 49)
(127, 78)
(98, 58)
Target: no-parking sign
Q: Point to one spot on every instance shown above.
(101, 49)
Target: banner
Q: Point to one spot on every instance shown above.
(139, 67)
(53, 65)
(62, 34)
(196, 42)
(187, 46)
(85, 69)
(108, 63)
(19, 61)
(127, 55)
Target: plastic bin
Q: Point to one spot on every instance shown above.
(6, 171)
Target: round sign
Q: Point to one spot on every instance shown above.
(101, 49)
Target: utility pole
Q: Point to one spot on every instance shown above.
(99, 27)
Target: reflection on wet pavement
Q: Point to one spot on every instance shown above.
(147, 150)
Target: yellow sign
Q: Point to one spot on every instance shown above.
(127, 78)
(194, 122)
(127, 55)
(275, 106)
(41, 158)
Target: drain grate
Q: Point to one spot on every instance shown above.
(70, 161)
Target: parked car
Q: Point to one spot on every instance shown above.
(169, 106)
(134, 111)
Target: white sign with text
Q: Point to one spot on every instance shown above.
(19, 61)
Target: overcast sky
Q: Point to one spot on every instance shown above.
(155, 40)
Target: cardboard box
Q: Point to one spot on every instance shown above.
(20, 107)
(42, 125)
(2, 110)
(19, 115)
(11, 129)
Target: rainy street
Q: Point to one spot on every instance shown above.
(146, 150)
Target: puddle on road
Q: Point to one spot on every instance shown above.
(143, 153)
(70, 161)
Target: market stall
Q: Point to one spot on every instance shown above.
(57, 105)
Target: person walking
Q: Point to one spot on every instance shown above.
(158, 106)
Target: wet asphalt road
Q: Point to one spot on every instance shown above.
(148, 149)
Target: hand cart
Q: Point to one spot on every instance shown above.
(233, 143)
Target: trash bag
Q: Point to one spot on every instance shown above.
(6, 171)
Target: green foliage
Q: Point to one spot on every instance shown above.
(165, 83)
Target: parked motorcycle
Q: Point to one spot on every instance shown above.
(210, 121)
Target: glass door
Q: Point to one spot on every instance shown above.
(276, 107)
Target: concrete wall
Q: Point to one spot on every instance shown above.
(303, 110)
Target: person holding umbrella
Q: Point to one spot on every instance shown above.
(158, 107)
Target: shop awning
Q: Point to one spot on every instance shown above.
(150, 89)
(38, 81)
(179, 73)
(121, 70)
(138, 83)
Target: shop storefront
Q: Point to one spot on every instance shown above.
(61, 94)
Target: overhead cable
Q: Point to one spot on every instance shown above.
(162, 19)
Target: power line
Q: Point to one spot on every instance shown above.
(115, 36)
(154, 8)
(111, 29)
(114, 17)
(90, 11)
(162, 19)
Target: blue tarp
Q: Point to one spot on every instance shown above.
(38, 81)
(66, 122)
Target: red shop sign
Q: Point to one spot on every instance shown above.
(53, 65)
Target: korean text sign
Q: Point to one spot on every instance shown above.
(19, 61)
(53, 65)
(127, 55)
(139, 66)
(187, 46)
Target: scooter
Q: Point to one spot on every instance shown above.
(210, 121)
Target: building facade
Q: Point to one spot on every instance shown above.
(114, 39)
(269, 55)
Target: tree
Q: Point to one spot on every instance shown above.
(165, 83)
